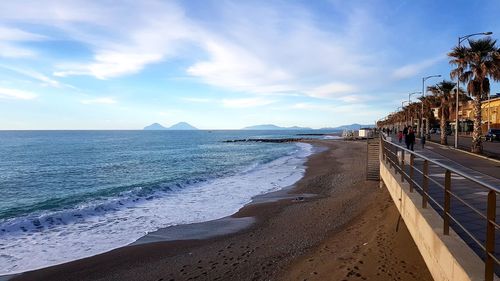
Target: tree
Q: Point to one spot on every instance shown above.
(429, 102)
(445, 101)
(476, 65)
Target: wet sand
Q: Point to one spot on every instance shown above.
(347, 231)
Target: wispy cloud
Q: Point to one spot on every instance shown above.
(7, 93)
(11, 39)
(410, 70)
(332, 90)
(46, 81)
(241, 56)
(102, 100)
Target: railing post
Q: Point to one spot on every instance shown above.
(384, 151)
(402, 165)
(412, 160)
(447, 202)
(490, 236)
(394, 159)
(425, 184)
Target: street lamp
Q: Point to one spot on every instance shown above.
(423, 94)
(409, 101)
(411, 94)
(406, 113)
(460, 40)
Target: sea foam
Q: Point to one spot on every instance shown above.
(29, 243)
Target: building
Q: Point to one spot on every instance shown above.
(490, 112)
(365, 133)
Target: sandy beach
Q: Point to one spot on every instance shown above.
(331, 225)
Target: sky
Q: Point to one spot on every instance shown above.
(223, 64)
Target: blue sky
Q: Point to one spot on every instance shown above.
(222, 64)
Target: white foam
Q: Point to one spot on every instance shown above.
(332, 137)
(74, 237)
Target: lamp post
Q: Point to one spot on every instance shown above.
(423, 94)
(460, 40)
(411, 94)
(406, 114)
(409, 101)
(399, 109)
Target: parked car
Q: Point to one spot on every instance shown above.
(433, 131)
(493, 135)
(449, 132)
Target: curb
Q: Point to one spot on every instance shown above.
(466, 152)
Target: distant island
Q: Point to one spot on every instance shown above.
(274, 127)
(263, 127)
(354, 126)
(179, 126)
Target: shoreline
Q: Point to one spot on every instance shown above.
(217, 198)
(200, 230)
(260, 241)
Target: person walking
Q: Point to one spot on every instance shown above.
(410, 139)
(422, 141)
(400, 136)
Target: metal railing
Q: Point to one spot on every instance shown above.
(462, 206)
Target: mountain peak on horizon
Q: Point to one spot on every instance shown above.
(155, 126)
(178, 126)
(354, 126)
(182, 126)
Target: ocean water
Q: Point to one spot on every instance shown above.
(66, 195)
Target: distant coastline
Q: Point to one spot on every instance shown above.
(262, 127)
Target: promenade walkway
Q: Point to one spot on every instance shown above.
(490, 149)
(472, 193)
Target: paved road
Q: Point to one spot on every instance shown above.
(467, 190)
(491, 149)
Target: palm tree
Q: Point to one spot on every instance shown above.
(429, 103)
(476, 65)
(444, 99)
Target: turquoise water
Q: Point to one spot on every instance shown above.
(71, 194)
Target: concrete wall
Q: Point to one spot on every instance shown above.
(446, 256)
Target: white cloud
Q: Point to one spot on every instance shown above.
(7, 93)
(260, 49)
(246, 102)
(110, 64)
(103, 100)
(46, 81)
(15, 34)
(14, 51)
(10, 39)
(410, 70)
(250, 58)
(236, 68)
(159, 29)
(331, 90)
(268, 49)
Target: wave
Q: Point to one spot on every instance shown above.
(100, 226)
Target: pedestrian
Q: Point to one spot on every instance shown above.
(410, 139)
(405, 131)
(422, 141)
(400, 136)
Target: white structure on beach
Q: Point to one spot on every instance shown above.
(365, 133)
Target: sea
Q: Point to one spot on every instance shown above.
(66, 195)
